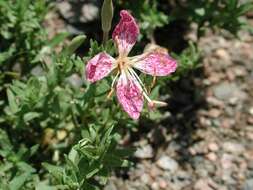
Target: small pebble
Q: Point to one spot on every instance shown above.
(211, 156)
(213, 147)
(167, 163)
(233, 147)
(144, 152)
(214, 113)
(251, 111)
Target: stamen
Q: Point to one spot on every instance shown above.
(110, 93)
(112, 86)
(114, 80)
(153, 103)
(152, 84)
(132, 72)
(160, 103)
(142, 87)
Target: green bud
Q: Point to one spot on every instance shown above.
(106, 15)
(75, 43)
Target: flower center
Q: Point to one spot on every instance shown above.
(122, 63)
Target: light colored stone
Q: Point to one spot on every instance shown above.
(233, 147)
(248, 184)
(144, 152)
(223, 54)
(211, 156)
(213, 147)
(214, 113)
(167, 163)
(251, 111)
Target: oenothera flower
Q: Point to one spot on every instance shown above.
(129, 88)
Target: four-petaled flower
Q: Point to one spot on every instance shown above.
(129, 88)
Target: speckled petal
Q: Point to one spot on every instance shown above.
(125, 33)
(99, 67)
(155, 63)
(129, 95)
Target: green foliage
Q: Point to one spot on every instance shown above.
(95, 155)
(218, 14)
(22, 35)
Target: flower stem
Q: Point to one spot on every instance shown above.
(105, 37)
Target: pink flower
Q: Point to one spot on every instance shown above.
(129, 88)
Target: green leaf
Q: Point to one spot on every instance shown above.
(12, 101)
(114, 161)
(244, 8)
(5, 143)
(73, 156)
(44, 186)
(25, 167)
(58, 39)
(56, 171)
(30, 116)
(200, 11)
(34, 149)
(94, 168)
(19, 181)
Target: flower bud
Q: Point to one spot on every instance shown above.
(106, 15)
(75, 43)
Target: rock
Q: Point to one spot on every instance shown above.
(251, 111)
(201, 171)
(144, 152)
(214, 113)
(227, 123)
(163, 184)
(230, 75)
(110, 186)
(227, 177)
(167, 163)
(205, 184)
(145, 178)
(223, 55)
(155, 171)
(155, 186)
(65, 9)
(199, 148)
(204, 122)
(250, 120)
(233, 147)
(240, 71)
(227, 161)
(214, 78)
(213, 147)
(157, 135)
(248, 185)
(225, 90)
(75, 81)
(78, 12)
(233, 101)
(90, 12)
(211, 156)
(214, 101)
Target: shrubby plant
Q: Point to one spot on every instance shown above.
(59, 131)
